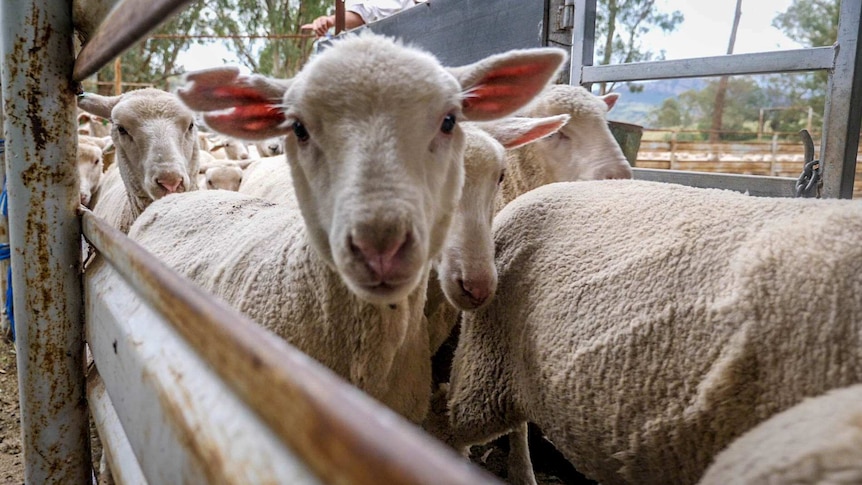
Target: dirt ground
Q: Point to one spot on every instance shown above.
(11, 453)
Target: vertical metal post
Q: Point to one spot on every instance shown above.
(841, 119)
(44, 232)
(583, 40)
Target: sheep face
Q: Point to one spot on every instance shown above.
(583, 149)
(466, 269)
(156, 142)
(374, 145)
(270, 147)
(224, 178)
(89, 170)
(377, 183)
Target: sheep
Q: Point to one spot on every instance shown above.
(222, 174)
(643, 326)
(269, 147)
(464, 277)
(584, 149)
(376, 163)
(92, 125)
(156, 144)
(816, 441)
(227, 148)
(89, 158)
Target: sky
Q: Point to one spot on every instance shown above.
(705, 32)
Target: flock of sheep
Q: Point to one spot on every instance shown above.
(644, 327)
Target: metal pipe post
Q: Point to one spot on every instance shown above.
(45, 236)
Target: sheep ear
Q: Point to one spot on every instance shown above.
(237, 105)
(516, 131)
(499, 85)
(97, 104)
(610, 99)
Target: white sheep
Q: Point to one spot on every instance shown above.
(376, 161)
(156, 144)
(464, 276)
(269, 147)
(89, 158)
(222, 174)
(584, 149)
(643, 326)
(816, 441)
(228, 148)
(92, 125)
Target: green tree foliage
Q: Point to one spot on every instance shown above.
(812, 23)
(153, 61)
(693, 108)
(278, 51)
(620, 26)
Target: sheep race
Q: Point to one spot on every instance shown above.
(469, 247)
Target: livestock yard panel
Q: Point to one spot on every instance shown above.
(459, 32)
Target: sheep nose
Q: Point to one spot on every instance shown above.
(382, 255)
(85, 199)
(171, 183)
(477, 291)
(244, 156)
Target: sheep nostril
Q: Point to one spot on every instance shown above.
(476, 291)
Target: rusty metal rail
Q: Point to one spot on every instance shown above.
(340, 433)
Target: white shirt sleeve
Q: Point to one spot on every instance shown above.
(371, 10)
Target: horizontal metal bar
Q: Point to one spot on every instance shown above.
(126, 25)
(123, 465)
(752, 184)
(297, 397)
(759, 63)
(182, 422)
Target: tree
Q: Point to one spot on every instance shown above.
(741, 108)
(279, 51)
(721, 91)
(812, 23)
(153, 61)
(620, 25)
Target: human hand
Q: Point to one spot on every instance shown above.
(320, 25)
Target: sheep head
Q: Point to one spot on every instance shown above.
(156, 142)
(371, 133)
(466, 268)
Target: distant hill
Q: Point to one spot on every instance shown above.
(636, 107)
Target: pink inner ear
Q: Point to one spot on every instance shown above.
(506, 89)
(218, 97)
(252, 121)
(610, 100)
(539, 131)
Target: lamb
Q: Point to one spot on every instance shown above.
(90, 163)
(464, 277)
(816, 441)
(156, 144)
(643, 326)
(222, 174)
(377, 173)
(92, 125)
(269, 147)
(584, 149)
(227, 148)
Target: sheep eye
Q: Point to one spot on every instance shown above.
(122, 130)
(502, 176)
(300, 131)
(448, 124)
(191, 126)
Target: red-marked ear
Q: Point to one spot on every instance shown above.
(610, 99)
(242, 106)
(250, 122)
(504, 83)
(517, 131)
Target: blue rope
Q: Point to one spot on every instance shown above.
(6, 253)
